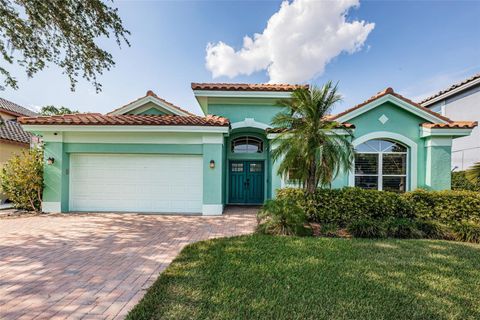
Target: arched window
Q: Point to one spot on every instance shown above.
(381, 165)
(247, 144)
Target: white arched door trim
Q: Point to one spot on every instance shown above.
(413, 150)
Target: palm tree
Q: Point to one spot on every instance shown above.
(309, 145)
(473, 174)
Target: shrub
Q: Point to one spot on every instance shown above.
(22, 179)
(329, 229)
(432, 229)
(461, 182)
(403, 228)
(448, 207)
(466, 231)
(367, 228)
(343, 206)
(281, 217)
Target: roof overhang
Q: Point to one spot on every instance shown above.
(399, 102)
(454, 133)
(451, 92)
(124, 128)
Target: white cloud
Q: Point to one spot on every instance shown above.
(299, 40)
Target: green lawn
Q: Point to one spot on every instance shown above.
(266, 277)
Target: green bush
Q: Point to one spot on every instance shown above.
(403, 228)
(448, 207)
(343, 206)
(432, 229)
(460, 182)
(281, 217)
(367, 228)
(22, 179)
(466, 231)
(329, 230)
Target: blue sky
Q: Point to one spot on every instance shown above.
(415, 47)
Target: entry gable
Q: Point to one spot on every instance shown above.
(388, 95)
(150, 104)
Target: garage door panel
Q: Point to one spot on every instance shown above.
(142, 183)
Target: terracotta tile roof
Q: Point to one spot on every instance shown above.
(123, 120)
(150, 93)
(246, 87)
(393, 93)
(11, 131)
(452, 125)
(14, 109)
(452, 87)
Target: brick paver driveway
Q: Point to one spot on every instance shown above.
(94, 266)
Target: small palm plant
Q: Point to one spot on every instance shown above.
(309, 145)
(473, 174)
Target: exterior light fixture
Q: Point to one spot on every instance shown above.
(50, 161)
(212, 164)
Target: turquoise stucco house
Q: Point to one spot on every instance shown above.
(152, 156)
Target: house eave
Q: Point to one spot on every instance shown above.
(122, 128)
(450, 93)
(454, 133)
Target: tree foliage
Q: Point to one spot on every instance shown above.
(52, 110)
(35, 33)
(309, 145)
(473, 174)
(22, 179)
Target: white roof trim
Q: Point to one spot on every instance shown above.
(120, 128)
(250, 122)
(138, 103)
(399, 102)
(427, 132)
(240, 94)
(451, 92)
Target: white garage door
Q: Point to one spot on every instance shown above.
(136, 183)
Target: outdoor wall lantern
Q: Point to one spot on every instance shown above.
(212, 164)
(50, 161)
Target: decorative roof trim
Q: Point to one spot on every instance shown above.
(127, 128)
(265, 87)
(242, 94)
(452, 125)
(389, 95)
(427, 132)
(150, 96)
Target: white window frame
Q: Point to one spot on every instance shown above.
(380, 174)
(412, 159)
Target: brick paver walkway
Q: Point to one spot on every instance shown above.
(95, 266)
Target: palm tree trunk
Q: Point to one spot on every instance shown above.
(312, 180)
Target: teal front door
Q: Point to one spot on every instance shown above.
(246, 182)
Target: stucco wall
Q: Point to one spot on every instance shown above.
(56, 177)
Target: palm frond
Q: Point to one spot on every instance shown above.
(318, 149)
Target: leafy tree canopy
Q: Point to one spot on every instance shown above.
(52, 111)
(34, 33)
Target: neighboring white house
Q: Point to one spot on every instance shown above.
(460, 101)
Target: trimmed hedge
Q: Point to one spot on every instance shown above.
(448, 207)
(348, 205)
